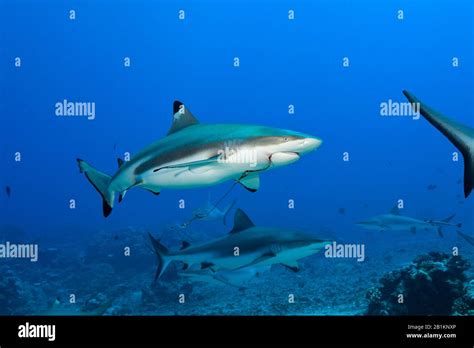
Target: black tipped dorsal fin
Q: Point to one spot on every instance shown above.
(119, 162)
(241, 222)
(182, 118)
(395, 210)
(185, 245)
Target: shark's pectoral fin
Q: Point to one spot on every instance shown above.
(259, 259)
(251, 182)
(291, 265)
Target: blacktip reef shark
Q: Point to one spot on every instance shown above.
(394, 221)
(197, 155)
(258, 246)
(458, 134)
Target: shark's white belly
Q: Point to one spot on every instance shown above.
(177, 178)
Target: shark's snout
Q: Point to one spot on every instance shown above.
(309, 144)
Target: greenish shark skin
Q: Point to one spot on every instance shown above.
(246, 245)
(396, 222)
(458, 134)
(198, 155)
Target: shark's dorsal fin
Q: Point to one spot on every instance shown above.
(119, 162)
(185, 245)
(241, 222)
(182, 118)
(395, 210)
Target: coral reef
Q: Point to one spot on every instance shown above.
(434, 284)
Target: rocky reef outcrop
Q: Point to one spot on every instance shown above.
(434, 284)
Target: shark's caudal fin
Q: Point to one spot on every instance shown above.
(460, 136)
(101, 182)
(161, 254)
(227, 211)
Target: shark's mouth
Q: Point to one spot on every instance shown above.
(283, 158)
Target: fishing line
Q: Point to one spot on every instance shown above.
(186, 224)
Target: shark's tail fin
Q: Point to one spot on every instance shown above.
(161, 254)
(458, 134)
(101, 182)
(227, 211)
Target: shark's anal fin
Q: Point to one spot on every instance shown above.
(291, 265)
(182, 118)
(251, 182)
(122, 196)
(241, 222)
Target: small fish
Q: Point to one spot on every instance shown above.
(431, 187)
(8, 190)
(341, 211)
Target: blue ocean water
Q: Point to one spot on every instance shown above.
(283, 62)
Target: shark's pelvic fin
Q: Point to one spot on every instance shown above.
(241, 222)
(161, 255)
(251, 182)
(458, 134)
(291, 265)
(182, 118)
(101, 183)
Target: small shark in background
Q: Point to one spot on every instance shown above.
(236, 278)
(467, 238)
(257, 246)
(458, 134)
(210, 212)
(396, 222)
(198, 155)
